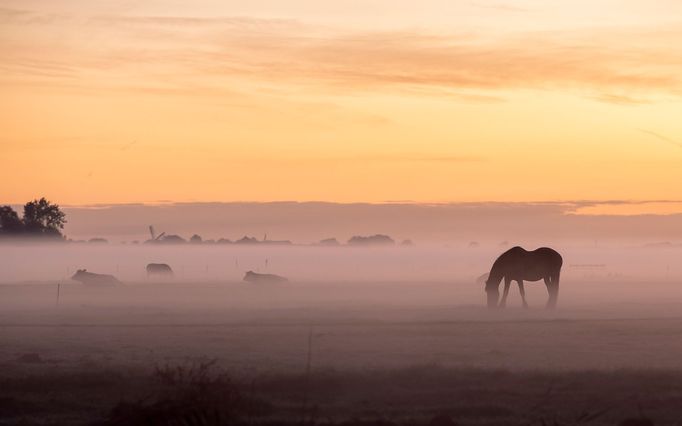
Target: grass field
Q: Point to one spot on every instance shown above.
(91, 394)
(429, 351)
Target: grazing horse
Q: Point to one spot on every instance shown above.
(90, 278)
(517, 264)
(159, 269)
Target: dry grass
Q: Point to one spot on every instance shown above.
(200, 394)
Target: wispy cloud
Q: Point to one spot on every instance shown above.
(620, 99)
(25, 16)
(179, 22)
(9, 14)
(175, 52)
(413, 158)
(661, 137)
(374, 159)
(499, 6)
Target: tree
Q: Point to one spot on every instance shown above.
(374, 240)
(9, 221)
(43, 217)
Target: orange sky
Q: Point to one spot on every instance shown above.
(432, 101)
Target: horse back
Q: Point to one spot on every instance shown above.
(548, 256)
(518, 263)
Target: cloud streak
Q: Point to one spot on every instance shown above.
(467, 67)
(500, 6)
(661, 137)
(406, 158)
(620, 99)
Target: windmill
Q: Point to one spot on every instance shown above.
(155, 238)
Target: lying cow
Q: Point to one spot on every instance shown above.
(90, 278)
(159, 270)
(254, 277)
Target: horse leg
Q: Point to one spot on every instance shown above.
(554, 295)
(552, 283)
(522, 290)
(548, 284)
(507, 284)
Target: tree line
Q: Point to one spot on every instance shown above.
(44, 219)
(40, 219)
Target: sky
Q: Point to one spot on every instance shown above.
(434, 101)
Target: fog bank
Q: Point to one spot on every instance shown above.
(517, 223)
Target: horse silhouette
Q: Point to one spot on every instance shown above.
(160, 270)
(518, 264)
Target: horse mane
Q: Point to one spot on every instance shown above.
(495, 276)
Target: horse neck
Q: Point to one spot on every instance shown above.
(496, 274)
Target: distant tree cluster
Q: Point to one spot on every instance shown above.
(40, 219)
(373, 240)
(365, 241)
(98, 240)
(196, 239)
(329, 242)
(356, 241)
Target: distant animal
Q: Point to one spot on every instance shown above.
(159, 269)
(90, 278)
(254, 277)
(518, 264)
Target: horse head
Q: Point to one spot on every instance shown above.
(492, 290)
